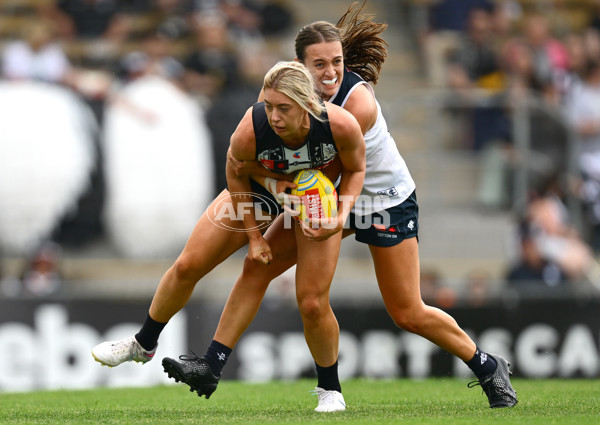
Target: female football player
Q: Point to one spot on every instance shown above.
(290, 130)
(342, 60)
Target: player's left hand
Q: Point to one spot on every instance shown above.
(319, 229)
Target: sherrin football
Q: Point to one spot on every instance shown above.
(319, 197)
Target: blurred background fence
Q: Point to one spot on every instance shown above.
(116, 117)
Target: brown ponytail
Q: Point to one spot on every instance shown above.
(364, 49)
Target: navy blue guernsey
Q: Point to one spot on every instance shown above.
(350, 80)
(317, 151)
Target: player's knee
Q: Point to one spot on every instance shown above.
(408, 320)
(255, 275)
(187, 271)
(311, 308)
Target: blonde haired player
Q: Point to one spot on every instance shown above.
(291, 130)
(342, 60)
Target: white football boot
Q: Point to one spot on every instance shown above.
(329, 401)
(113, 353)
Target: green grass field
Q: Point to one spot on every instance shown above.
(431, 401)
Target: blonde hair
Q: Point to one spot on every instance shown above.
(295, 81)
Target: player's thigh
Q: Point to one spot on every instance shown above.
(398, 273)
(217, 234)
(282, 241)
(281, 236)
(317, 261)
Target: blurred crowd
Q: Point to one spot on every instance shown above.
(211, 49)
(508, 66)
(138, 85)
(491, 56)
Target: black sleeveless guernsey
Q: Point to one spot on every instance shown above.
(317, 151)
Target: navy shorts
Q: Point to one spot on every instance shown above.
(388, 227)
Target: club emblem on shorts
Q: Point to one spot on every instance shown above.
(385, 228)
(411, 225)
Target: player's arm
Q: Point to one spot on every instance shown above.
(350, 143)
(361, 104)
(277, 184)
(243, 147)
(254, 169)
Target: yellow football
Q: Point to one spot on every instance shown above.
(318, 194)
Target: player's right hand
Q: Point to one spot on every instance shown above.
(259, 250)
(241, 168)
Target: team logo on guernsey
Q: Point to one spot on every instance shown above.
(287, 160)
(388, 193)
(274, 164)
(329, 151)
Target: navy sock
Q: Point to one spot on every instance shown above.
(482, 364)
(216, 356)
(148, 335)
(327, 378)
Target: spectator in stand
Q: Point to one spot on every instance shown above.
(447, 23)
(594, 23)
(214, 76)
(551, 247)
(152, 58)
(213, 65)
(36, 57)
(531, 269)
(435, 292)
(505, 15)
(173, 17)
(576, 49)
(276, 17)
(243, 20)
(583, 111)
(42, 276)
(548, 138)
(474, 66)
(478, 288)
(249, 22)
(550, 56)
(99, 22)
(89, 19)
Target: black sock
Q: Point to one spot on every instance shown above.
(327, 378)
(481, 364)
(216, 356)
(148, 335)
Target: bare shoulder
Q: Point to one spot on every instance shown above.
(243, 140)
(342, 123)
(361, 104)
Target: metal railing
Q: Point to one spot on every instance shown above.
(434, 103)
